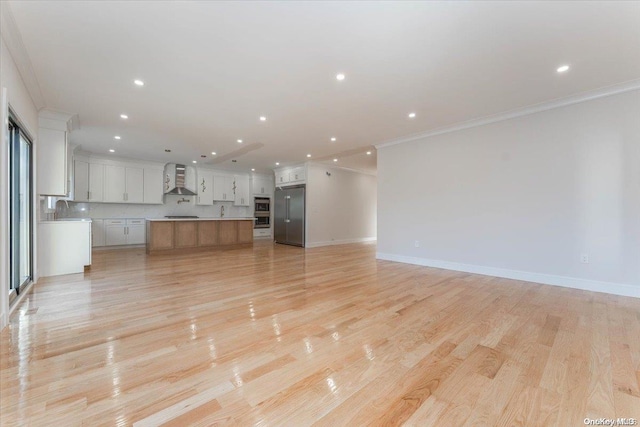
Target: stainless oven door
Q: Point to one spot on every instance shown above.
(262, 221)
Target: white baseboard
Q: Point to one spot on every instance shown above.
(547, 279)
(340, 242)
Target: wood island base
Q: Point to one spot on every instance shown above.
(167, 236)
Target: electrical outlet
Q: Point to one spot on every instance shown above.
(416, 243)
(584, 258)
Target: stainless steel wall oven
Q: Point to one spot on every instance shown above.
(262, 212)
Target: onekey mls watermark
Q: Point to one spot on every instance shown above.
(610, 422)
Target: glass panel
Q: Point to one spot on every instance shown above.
(25, 211)
(21, 210)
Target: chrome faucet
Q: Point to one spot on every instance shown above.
(222, 211)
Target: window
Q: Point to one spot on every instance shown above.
(20, 209)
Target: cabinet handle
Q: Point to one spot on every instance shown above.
(88, 195)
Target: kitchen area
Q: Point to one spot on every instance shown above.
(88, 201)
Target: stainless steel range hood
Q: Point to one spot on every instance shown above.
(180, 188)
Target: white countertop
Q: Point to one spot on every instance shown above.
(67, 220)
(201, 219)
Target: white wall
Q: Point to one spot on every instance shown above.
(341, 208)
(522, 198)
(21, 103)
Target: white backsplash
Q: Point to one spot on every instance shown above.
(170, 207)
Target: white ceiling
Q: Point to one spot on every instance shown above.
(212, 68)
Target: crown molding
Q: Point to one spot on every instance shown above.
(324, 165)
(519, 112)
(11, 36)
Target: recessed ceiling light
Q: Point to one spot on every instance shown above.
(139, 82)
(112, 150)
(213, 153)
(193, 161)
(253, 170)
(368, 153)
(239, 141)
(124, 116)
(277, 163)
(263, 119)
(335, 160)
(340, 76)
(412, 115)
(116, 137)
(563, 69)
(333, 139)
(308, 155)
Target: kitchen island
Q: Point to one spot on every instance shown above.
(178, 235)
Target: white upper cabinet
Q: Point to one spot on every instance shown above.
(297, 174)
(134, 185)
(123, 184)
(242, 190)
(52, 152)
(282, 176)
(96, 182)
(88, 181)
(261, 185)
(169, 179)
(81, 181)
(291, 176)
(223, 190)
(204, 187)
(153, 191)
(114, 184)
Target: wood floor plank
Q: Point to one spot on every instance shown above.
(278, 335)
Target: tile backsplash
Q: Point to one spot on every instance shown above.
(170, 207)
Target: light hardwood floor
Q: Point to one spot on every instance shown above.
(277, 335)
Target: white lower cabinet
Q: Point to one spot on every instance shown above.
(136, 232)
(115, 232)
(124, 232)
(97, 233)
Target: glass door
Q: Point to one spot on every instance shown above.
(20, 208)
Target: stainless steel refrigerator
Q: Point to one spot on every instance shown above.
(289, 215)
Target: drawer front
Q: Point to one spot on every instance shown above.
(135, 221)
(114, 222)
